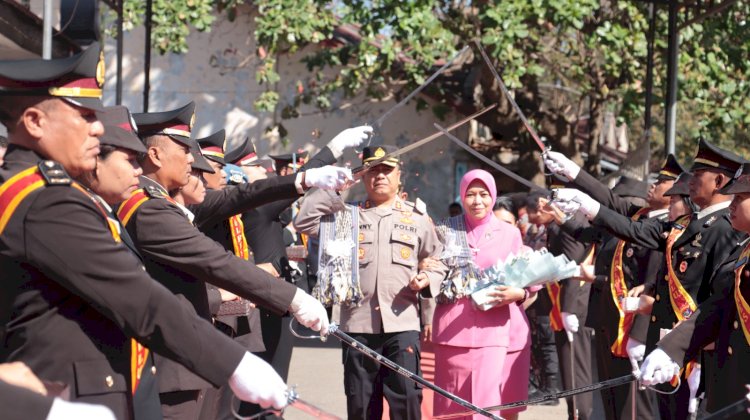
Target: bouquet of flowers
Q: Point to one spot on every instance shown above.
(530, 268)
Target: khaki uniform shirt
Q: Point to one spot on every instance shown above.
(392, 240)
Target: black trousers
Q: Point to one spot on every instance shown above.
(580, 370)
(617, 402)
(543, 349)
(675, 406)
(366, 381)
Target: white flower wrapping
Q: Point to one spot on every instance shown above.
(340, 248)
(530, 268)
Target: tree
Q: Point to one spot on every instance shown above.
(564, 59)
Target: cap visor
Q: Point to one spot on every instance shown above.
(116, 136)
(94, 104)
(736, 187)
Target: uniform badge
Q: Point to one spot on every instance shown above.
(686, 314)
(405, 253)
(683, 266)
(361, 253)
(629, 252)
(407, 221)
(405, 237)
(696, 243)
(709, 221)
(379, 152)
(397, 205)
(360, 237)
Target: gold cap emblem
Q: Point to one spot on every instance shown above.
(100, 70)
(379, 152)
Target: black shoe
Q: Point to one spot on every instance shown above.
(548, 391)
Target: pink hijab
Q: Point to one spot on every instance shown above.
(475, 228)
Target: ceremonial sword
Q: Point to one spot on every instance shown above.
(334, 330)
(488, 161)
(610, 383)
(544, 147)
(419, 88)
(293, 400)
(358, 172)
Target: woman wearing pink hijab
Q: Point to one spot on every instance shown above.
(482, 356)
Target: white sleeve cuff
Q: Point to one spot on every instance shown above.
(298, 183)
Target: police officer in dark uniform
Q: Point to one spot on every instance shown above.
(180, 257)
(73, 295)
(639, 266)
(618, 268)
(692, 246)
(568, 303)
(721, 319)
(265, 233)
(245, 329)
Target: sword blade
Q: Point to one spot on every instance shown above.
(312, 410)
(364, 168)
(489, 161)
(512, 101)
(738, 407)
(419, 88)
(610, 383)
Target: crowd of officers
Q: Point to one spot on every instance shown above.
(123, 244)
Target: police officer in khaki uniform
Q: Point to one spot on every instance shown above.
(394, 235)
(72, 294)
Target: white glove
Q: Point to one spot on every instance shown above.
(588, 206)
(636, 350)
(255, 381)
(559, 164)
(309, 312)
(570, 323)
(694, 381)
(328, 177)
(658, 368)
(351, 137)
(63, 410)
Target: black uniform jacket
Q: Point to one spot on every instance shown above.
(641, 268)
(23, 404)
(705, 243)
(183, 259)
(603, 314)
(264, 228)
(717, 320)
(71, 296)
(574, 294)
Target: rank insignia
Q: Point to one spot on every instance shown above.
(709, 221)
(683, 266)
(361, 253)
(407, 221)
(397, 205)
(360, 237)
(629, 253)
(405, 253)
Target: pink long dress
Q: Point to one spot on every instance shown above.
(482, 356)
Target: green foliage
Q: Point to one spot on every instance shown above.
(171, 21)
(383, 47)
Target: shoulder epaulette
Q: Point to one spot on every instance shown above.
(153, 191)
(420, 206)
(128, 207)
(53, 173)
(15, 189)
